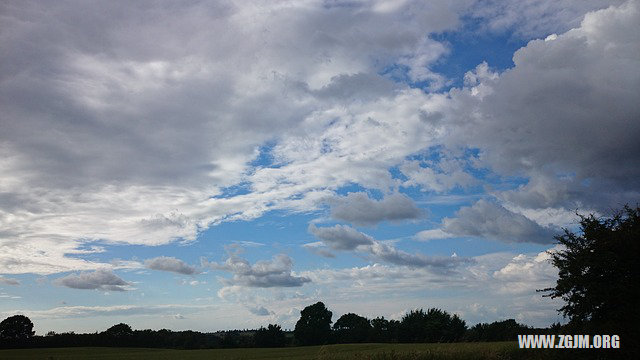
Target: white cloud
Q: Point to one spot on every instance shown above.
(263, 274)
(432, 234)
(97, 280)
(164, 263)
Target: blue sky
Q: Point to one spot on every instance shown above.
(222, 165)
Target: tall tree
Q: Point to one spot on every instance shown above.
(599, 274)
(314, 326)
(352, 328)
(16, 329)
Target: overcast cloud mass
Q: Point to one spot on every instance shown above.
(423, 151)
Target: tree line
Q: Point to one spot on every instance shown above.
(313, 328)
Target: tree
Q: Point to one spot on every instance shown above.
(434, 325)
(119, 331)
(272, 336)
(314, 326)
(352, 328)
(16, 329)
(599, 274)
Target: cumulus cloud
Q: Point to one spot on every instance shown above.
(490, 220)
(526, 273)
(263, 274)
(357, 208)
(564, 116)
(9, 281)
(164, 263)
(340, 237)
(97, 280)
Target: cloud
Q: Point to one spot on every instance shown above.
(9, 281)
(535, 18)
(100, 279)
(172, 264)
(357, 208)
(114, 310)
(263, 274)
(319, 248)
(394, 256)
(490, 220)
(440, 176)
(564, 116)
(343, 237)
(191, 116)
(432, 234)
(260, 311)
(340, 237)
(525, 274)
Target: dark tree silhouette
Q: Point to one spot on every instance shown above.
(272, 336)
(314, 326)
(16, 329)
(434, 325)
(352, 328)
(599, 274)
(383, 330)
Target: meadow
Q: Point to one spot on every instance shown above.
(493, 350)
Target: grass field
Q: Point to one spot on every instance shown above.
(496, 350)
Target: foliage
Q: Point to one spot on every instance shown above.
(314, 326)
(352, 328)
(383, 330)
(16, 329)
(434, 325)
(272, 336)
(599, 274)
(506, 330)
(119, 331)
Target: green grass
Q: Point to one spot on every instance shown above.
(497, 350)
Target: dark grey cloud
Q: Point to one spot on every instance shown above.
(357, 208)
(262, 274)
(492, 221)
(97, 280)
(340, 237)
(164, 263)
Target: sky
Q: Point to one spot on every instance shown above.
(214, 165)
